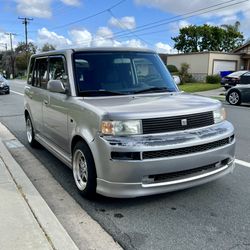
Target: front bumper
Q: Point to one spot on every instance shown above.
(132, 178)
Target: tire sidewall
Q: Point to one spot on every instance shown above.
(90, 189)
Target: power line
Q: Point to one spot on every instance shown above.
(86, 18)
(173, 19)
(181, 17)
(124, 27)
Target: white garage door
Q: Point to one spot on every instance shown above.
(223, 66)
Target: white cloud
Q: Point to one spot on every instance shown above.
(46, 36)
(34, 8)
(164, 48)
(126, 22)
(104, 32)
(183, 24)
(71, 2)
(5, 39)
(135, 43)
(183, 6)
(81, 37)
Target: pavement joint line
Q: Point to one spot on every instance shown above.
(18, 93)
(242, 163)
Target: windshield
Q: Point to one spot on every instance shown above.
(121, 73)
(237, 73)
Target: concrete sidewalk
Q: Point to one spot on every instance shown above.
(26, 220)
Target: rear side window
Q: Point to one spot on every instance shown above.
(40, 73)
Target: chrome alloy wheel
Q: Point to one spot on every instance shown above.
(80, 170)
(29, 130)
(233, 98)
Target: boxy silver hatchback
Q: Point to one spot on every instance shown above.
(116, 117)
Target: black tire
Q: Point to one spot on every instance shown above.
(234, 97)
(7, 93)
(84, 171)
(30, 133)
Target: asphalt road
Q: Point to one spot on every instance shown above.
(212, 216)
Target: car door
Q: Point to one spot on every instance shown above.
(55, 110)
(34, 91)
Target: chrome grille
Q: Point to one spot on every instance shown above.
(177, 123)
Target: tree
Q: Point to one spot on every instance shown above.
(22, 55)
(48, 47)
(208, 38)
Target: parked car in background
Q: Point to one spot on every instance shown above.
(238, 94)
(4, 86)
(233, 79)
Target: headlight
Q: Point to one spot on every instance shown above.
(219, 115)
(1, 84)
(132, 127)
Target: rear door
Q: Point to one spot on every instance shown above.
(35, 91)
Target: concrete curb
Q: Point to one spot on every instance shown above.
(54, 231)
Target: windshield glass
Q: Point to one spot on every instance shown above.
(237, 73)
(114, 73)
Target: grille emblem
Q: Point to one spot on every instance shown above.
(184, 122)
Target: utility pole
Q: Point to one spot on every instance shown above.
(26, 21)
(12, 52)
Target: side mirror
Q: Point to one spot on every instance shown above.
(56, 86)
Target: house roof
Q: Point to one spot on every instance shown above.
(241, 47)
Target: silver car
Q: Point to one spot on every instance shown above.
(116, 117)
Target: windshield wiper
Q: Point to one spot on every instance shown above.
(152, 90)
(100, 92)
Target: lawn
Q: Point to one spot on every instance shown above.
(196, 87)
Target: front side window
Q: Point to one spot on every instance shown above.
(57, 69)
(103, 73)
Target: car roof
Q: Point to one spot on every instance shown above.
(94, 49)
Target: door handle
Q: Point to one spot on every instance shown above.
(46, 102)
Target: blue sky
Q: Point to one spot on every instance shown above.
(120, 23)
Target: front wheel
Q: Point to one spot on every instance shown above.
(84, 170)
(234, 97)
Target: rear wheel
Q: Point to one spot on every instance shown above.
(84, 171)
(30, 132)
(234, 97)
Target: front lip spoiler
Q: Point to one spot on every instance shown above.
(193, 178)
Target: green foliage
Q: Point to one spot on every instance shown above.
(197, 87)
(208, 38)
(213, 79)
(172, 68)
(47, 47)
(22, 57)
(184, 75)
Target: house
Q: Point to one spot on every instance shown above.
(210, 62)
(244, 52)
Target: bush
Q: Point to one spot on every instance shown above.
(184, 75)
(172, 68)
(213, 79)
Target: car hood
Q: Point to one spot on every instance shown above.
(150, 105)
